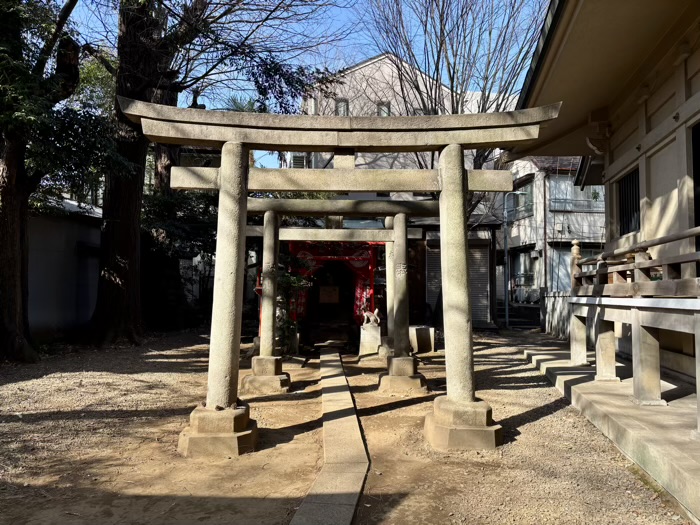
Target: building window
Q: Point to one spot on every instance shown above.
(628, 202)
(565, 197)
(383, 109)
(520, 205)
(342, 107)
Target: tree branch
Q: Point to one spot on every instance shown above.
(50, 43)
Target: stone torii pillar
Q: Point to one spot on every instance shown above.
(390, 275)
(222, 427)
(403, 375)
(267, 377)
(459, 420)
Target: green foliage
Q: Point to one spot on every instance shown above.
(97, 87)
(184, 224)
(24, 27)
(70, 152)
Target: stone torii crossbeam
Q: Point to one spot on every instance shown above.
(459, 420)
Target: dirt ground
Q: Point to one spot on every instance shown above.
(90, 438)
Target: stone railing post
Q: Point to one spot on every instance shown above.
(458, 419)
(575, 266)
(223, 427)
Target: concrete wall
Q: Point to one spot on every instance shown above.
(558, 314)
(63, 270)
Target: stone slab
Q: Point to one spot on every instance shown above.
(312, 513)
(403, 366)
(657, 438)
(217, 446)
(445, 438)
(266, 365)
(265, 385)
(389, 384)
(370, 339)
(422, 338)
(334, 495)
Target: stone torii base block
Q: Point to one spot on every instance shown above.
(267, 377)
(461, 426)
(402, 377)
(219, 433)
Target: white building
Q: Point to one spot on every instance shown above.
(544, 216)
(372, 88)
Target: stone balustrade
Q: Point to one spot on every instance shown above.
(649, 294)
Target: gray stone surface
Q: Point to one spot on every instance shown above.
(658, 438)
(370, 339)
(268, 305)
(402, 345)
(266, 365)
(265, 385)
(454, 256)
(224, 347)
(172, 125)
(347, 208)
(137, 110)
(403, 366)
(218, 434)
(389, 384)
(461, 426)
(334, 494)
(442, 437)
(390, 273)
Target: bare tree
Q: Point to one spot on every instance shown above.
(164, 48)
(456, 56)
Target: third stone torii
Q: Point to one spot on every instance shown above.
(458, 419)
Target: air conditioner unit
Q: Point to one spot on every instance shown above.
(535, 254)
(559, 227)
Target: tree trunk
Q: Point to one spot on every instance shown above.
(14, 343)
(118, 310)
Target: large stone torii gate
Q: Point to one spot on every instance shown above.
(459, 419)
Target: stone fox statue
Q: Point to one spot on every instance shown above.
(370, 317)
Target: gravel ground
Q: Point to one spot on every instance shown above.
(555, 467)
(90, 438)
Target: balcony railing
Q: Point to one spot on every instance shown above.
(520, 212)
(574, 205)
